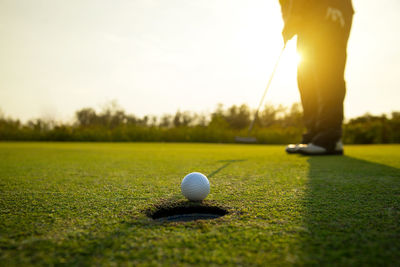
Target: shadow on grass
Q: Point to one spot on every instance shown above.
(352, 214)
(227, 163)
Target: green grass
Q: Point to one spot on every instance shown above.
(86, 204)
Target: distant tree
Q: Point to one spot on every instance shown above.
(116, 118)
(39, 125)
(199, 120)
(131, 120)
(177, 119)
(293, 118)
(183, 118)
(166, 121)
(144, 121)
(269, 115)
(395, 127)
(153, 120)
(186, 118)
(10, 129)
(86, 117)
(218, 119)
(368, 129)
(238, 117)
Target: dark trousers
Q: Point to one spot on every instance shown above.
(323, 44)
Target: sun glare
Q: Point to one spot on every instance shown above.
(297, 58)
(291, 57)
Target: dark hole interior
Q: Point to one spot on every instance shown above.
(188, 213)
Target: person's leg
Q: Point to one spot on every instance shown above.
(306, 84)
(307, 89)
(330, 46)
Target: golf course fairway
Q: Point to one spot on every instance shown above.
(89, 204)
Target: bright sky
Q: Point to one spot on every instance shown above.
(158, 56)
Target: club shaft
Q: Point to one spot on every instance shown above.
(265, 91)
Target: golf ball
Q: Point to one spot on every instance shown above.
(195, 186)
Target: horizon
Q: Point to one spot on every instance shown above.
(156, 58)
(157, 118)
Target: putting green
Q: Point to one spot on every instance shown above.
(87, 203)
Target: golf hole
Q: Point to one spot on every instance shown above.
(187, 212)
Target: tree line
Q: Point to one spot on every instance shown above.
(274, 125)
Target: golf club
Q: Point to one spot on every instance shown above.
(248, 138)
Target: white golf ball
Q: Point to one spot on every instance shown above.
(195, 186)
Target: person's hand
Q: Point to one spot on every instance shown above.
(290, 28)
(287, 33)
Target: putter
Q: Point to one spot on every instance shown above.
(248, 138)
